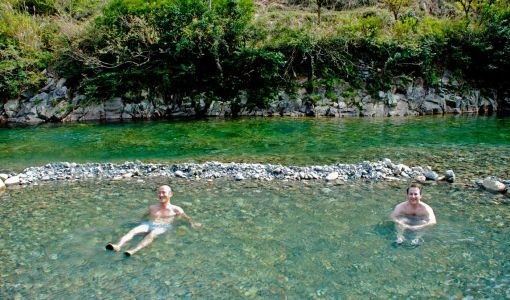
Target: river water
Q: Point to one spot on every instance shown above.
(277, 239)
(259, 240)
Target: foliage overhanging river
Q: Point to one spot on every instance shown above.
(307, 239)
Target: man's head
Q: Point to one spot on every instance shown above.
(414, 193)
(164, 193)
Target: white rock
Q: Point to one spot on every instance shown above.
(404, 168)
(493, 185)
(2, 185)
(332, 176)
(431, 175)
(12, 181)
(387, 162)
(239, 176)
(180, 173)
(421, 178)
(127, 175)
(4, 177)
(450, 175)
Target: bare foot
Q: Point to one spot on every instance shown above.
(416, 242)
(113, 247)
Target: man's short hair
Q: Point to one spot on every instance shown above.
(415, 185)
(166, 187)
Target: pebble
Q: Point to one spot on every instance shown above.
(332, 176)
(421, 178)
(180, 174)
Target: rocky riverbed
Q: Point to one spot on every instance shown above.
(380, 170)
(336, 173)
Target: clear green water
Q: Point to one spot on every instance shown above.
(261, 240)
(472, 146)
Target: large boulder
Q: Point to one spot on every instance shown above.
(11, 108)
(433, 104)
(93, 113)
(113, 109)
(374, 110)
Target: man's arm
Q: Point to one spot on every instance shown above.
(431, 220)
(394, 216)
(188, 218)
(183, 215)
(146, 214)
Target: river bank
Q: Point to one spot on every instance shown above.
(57, 103)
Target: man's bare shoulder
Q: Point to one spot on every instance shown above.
(401, 206)
(426, 206)
(176, 209)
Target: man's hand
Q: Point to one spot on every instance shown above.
(195, 225)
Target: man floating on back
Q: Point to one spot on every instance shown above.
(161, 217)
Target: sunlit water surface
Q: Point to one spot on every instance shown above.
(259, 240)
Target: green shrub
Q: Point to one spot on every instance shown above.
(177, 47)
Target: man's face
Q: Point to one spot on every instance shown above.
(414, 195)
(164, 194)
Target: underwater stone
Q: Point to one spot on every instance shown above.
(493, 185)
(449, 176)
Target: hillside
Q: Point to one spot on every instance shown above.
(110, 48)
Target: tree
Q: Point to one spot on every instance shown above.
(395, 6)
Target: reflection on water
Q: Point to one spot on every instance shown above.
(260, 240)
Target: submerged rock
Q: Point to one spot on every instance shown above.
(492, 184)
(449, 176)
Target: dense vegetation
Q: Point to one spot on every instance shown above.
(174, 48)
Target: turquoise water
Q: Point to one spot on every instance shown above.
(475, 146)
(260, 240)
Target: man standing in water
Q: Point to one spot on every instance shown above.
(161, 217)
(412, 215)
